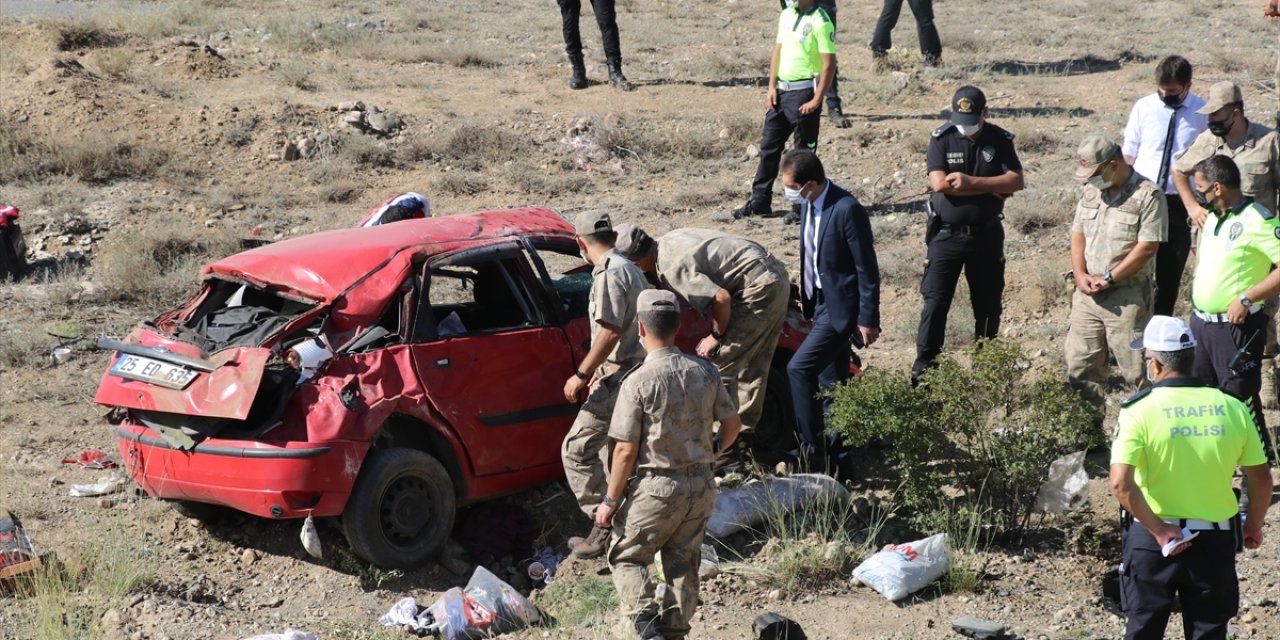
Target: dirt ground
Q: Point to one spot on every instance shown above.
(140, 137)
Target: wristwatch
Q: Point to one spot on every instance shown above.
(1106, 277)
(717, 335)
(1244, 300)
(580, 374)
(608, 502)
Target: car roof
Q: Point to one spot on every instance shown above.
(322, 266)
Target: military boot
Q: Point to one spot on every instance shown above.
(837, 117)
(591, 546)
(579, 78)
(616, 78)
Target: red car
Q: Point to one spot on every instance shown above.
(386, 375)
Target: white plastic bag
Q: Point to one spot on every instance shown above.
(110, 484)
(289, 634)
(901, 569)
(486, 608)
(750, 506)
(1067, 478)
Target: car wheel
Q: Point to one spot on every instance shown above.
(202, 511)
(401, 508)
(776, 432)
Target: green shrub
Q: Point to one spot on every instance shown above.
(976, 437)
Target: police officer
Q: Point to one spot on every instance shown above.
(1256, 151)
(615, 350)
(608, 23)
(1238, 248)
(1119, 224)
(972, 169)
(804, 65)
(661, 491)
(1177, 446)
(834, 112)
(744, 291)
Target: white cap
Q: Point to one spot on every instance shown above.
(1165, 333)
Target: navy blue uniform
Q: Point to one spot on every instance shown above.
(971, 237)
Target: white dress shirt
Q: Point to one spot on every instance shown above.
(1148, 128)
(815, 225)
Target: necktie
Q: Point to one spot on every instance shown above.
(809, 248)
(1168, 149)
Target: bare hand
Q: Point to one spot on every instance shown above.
(811, 106)
(959, 181)
(1099, 283)
(869, 335)
(707, 346)
(604, 516)
(1269, 10)
(1236, 312)
(572, 387)
(1252, 534)
(1084, 283)
(1167, 533)
(1198, 215)
(771, 99)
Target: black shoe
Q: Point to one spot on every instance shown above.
(838, 119)
(792, 216)
(579, 78)
(932, 61)
(616, 78)
(751, 208)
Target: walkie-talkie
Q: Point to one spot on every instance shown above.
(1241, 356)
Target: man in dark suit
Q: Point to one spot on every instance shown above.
(839, 290)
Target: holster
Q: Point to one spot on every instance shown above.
(933, 222)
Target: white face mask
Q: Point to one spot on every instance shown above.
(968, 130)
(794, 196)
(1098, 182)
(1146, 370)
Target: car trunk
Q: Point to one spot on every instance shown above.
(212, 367)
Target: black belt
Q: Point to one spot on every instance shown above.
(969, 229)
(691, 470)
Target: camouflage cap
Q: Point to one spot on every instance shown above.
(1095, 151)
(657, 300)
(1221, 94)
(633, 243)
(593, 221)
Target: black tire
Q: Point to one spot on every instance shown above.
(401, 509)
(202, 511)
(776, 433)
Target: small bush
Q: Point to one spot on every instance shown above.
(296, 74)
(113, 63)
(459, 183)
(472, 146)
(73, 36)
(158, 264)
(90, 156)
(976, 436)
(310, 37)
(366, 151)
(654, 142)
(574, 604)
(240, 132)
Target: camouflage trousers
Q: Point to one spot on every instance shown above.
(667, 514)
(585, 450)
(1108, 321)
(746, 353)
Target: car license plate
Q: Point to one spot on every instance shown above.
(153, 371)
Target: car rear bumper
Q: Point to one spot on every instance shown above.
(271, 481)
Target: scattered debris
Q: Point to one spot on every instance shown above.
(900, 570)
(772, 626)
(109, 484)
(61, 355)
(750, 506)
(1067, 480)
(542, 568)
(485, 608)
(972, 627)
(289, 634)
(92, 459)
(311, 539)
(17, 554)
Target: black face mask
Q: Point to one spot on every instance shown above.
(1221, 128)
(1171, 99)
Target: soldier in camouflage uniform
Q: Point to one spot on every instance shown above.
(736, 283)
(615, 350)
(663, 429)
(1120, 221)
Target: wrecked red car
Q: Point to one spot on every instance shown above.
(385, 375)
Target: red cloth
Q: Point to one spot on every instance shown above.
(92, 460)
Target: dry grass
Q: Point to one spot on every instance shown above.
(295, 73)
(93, 155)
(461, 183)
(158, 264)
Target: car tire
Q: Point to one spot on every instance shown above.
(401, 508)
(13, 252)
(775, 435)
(202, 511)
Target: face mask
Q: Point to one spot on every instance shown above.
(794, 196)
(968, 130)
(1220, 129)
(1146, 372)
(1097, 181)
(1171, 99)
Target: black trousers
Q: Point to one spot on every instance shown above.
(605, 18)
(981, 256)
(1171, 258)
(1202, 578)
(1216, 344)
(930, 44)
(779, 124)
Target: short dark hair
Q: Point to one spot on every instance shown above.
(1174, 68)
(1179, 361)
(804, 166)
(662, 324)
(1219, 169)
(606, 238)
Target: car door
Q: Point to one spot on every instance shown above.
(492, 360)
